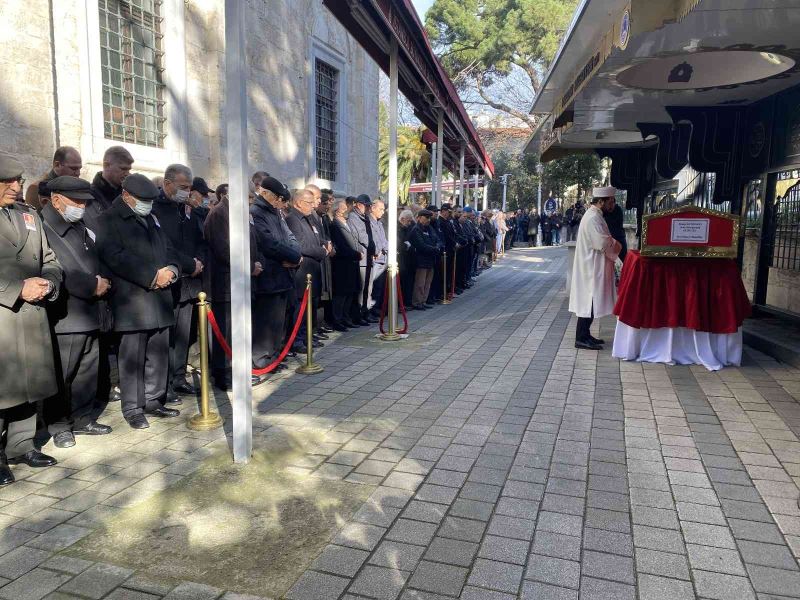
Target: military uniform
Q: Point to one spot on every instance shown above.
(27, 368)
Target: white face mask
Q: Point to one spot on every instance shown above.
(72, 214)
(181, 196)
(143, 208)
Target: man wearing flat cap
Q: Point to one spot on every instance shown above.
(76, 314)
(359, 223)
(425, 244)
(280, 254)
(30, 277)
(143, 266)
(593, 291)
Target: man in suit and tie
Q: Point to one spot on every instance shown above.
(30, 277)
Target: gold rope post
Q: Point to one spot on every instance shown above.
(206, 419)
(391, 334)
(309, 368)
(445, 299)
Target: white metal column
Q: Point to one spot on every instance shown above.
(434, 191)
(440, 155)
(461, 198)
(485, 192)
(475, 191)
(236, 122)
(392, 218)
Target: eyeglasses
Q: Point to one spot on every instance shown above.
(20, 179)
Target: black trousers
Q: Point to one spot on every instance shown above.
(17, 429)
(340, 306)
(75, 405)
(143, 370)
(220, 363)
(379, 276)
(180, 336)
(436, 292)
(269, 319)
(462, 264)
(582, 333)
(107, 371)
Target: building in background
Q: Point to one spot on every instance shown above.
(149, 75)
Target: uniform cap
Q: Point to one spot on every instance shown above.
(364, 199)
(10, 167)
(73, 188)
(140, 187)
(276, 187)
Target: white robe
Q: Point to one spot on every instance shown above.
(593, 269)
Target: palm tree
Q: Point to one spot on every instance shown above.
(413, 159)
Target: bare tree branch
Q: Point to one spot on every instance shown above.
(526, 118)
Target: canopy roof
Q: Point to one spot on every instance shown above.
(422, 80)
(625, 62)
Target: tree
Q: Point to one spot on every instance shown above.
(413, 158)
(498, 50)
(523, 183)
(582, 170)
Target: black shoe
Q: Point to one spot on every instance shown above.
(459, 291)
(224, 385)
(185, 388)
(596, 341)
(372, 320)
(317, 344)
(326, 329)
(363, 322)
(164, 412)
(6, 476)
(257, 380)
(64, 439)
(321, 336)
(299, 349)
(420, 307)
(138, 422)
(349, 324)
(340, 327)
(587, 345)
(173, 398)
(93, 428)
(34, 459)
(430, 304)
(115, 395)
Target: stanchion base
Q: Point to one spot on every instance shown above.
(311, 369)
(390, 337)
(446, 301)
(204, 423)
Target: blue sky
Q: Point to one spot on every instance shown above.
(422, 6)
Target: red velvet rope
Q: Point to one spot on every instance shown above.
(270, 367)
(402, 306)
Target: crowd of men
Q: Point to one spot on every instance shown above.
(99, 281)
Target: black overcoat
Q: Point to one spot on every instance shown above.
(307, 234)
(132, 249)
(276, 244)
(346, 275)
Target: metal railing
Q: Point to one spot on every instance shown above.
(786, 235)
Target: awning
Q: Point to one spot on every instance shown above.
(422, 80)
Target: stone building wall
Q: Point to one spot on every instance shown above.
(51, 95)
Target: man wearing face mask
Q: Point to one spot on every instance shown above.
(182, 226)
(134, 249)
(280, 254)
(75, 315)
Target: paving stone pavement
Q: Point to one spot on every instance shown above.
(507, 464)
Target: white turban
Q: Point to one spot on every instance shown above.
(604, 192)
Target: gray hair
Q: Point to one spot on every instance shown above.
(406, 214)
(176, 169)
(337, 203)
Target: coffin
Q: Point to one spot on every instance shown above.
(690, 232)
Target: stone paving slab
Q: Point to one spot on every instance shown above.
(502, 463)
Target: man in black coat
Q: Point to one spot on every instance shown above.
(303, 225)
(218, 281)
(75, 315)
(359, 223)
(426, 250)
(376, 212)
(136, 252)
(345, 266)
(453, 243)
(436, 224)
(281, 254)
(406, 260)
(615, 219)
(183, 228)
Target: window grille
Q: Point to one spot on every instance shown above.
(786, 233)
(327, 125)
(132, 55)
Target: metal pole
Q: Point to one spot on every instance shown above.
(241, 328)
(505, 186)
(434, 191)
(445, 299)
(475, 191)
(309, 368)
(539, 212)
(485, 193)
(440, 154)
(391, 334)
(206, 419)
(462, 200)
